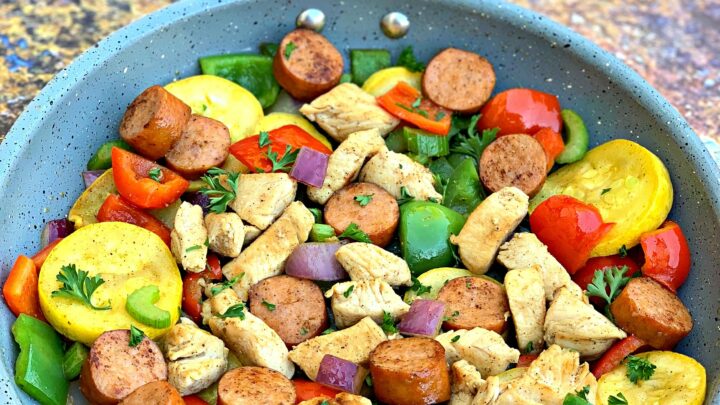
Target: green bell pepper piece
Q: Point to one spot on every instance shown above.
(396, 141)
(73, 360)
(425, 143)
(420, 158)
(425, 229)
(268, 49)
(39, 366)
(464, 192)
(321, 232)
(577, 138)
(253, 72)
(102, 159)
(140, 305)
(456, 158)
(365, 62)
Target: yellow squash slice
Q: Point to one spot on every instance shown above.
(383, 80)
(435, 279)
(279, 119)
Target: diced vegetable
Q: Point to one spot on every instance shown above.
(428, 284)
(616, 354)
(89, 177)
(73, 360)
(340, 374)
(55, 229)
(365, 62)
(39, 366)
(40, 256)
(193, 290)
(197, 198)
(628, 184)
(268, 49)
(384, 80)
(584, 276)
(307, 390)
(252, 72)
(396, 141)
(526, 359)
(407, 103)
(133, 182)
(463, 191)
(140, 306)
(21, 289)
(321, 232)
(276, 120)
(552, 144)
(310, 167)
(424, 143)
(667, 255)
(316, 261)
(577, 138)
(407, 59)
(423, 319)
(102, 159)
(521, 111)
(116, 209)
(570, 228)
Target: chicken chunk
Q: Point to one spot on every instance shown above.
(345, 163)
(574, 324)
(554, 374)
(248, 337)
(525, 250)
(446, 340)
(262, 197)
(365, 261)
(226, 233)
(486, 350)
(188, 237)
(347, 109)
(196, 359)
(266, 256)
(352, 301)
(393, 171)
(342, 398)
(353, 344)
(488, 226)
(526, 296)
(466, 382)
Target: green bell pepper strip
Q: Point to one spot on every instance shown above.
(318, 214)
(321, 232)
(140, 305)
(420, 158)
(425, 229)
(73, 360)
(455, 159)
(101, 160)
(39, 366)
(396, 141)
(463, 191)
(365, 62)
(268, 49)
(253, 72)
(577, 138)
(424, 143)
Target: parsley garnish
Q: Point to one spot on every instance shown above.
(220, 196)
(324, 402)
(263, 139)
(355, 233)
(614, 278)
(417, 102)
(455, 338)
(530, 347)
(368, 380)
(235, 311)
(218, 288)
(388, 323)
(617, 399)
(303, 331)
(439, 115)
(452, 316)
(329, 330)
(419, 288)
(623, 251)
(78, 286)
(284, 163)
(580, 398)
(269, 306)
(584, 392)
(289, 48)
(473, 144)
(605, 191)
(414, 110)
(468, 284)
(156, 174)
(136, 336)
(193, 247)
(203, 108)
(639, 368)
(349, 291)
(407, 60)
(404, 196)
(364, 200)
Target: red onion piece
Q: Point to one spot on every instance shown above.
(316, 261)
(57, 228)
(341, 374)
(310, 167)
(198, 198)
(90, 176)
(423, 319)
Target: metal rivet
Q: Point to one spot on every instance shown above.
(312, 19)
(395, 24)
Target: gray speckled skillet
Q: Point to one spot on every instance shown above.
(81, 107)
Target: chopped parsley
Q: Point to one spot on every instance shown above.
(235, 311)
(404, 196)
(439, 115)
(419, 287)
(284, 163)
(136, 336)
(417, 102)
(530, 347)
(617, 399)
(269, 306)
(388, 323)
(612, 278)
(355, 233)
(304, 331)
(364, 200)
(289, 48)
(414, 110)
(156, 174)
(329, 330)
(473, 144)
(579, 398)
(218, 288)
(368, 380)
(263, 139)
(468, 284)
(455, 338)
(220, 196)
(623, 252)
(193, 247)
(78, 286)
(452, 316)
(324, 402)
(605, 191)
(407, 60)
(349, 291)
(639, 368)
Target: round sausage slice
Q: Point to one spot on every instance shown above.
(472, 302)
(410, 371)
(255, 385)
(203, 144)
(649, 311)
(292, 307)
(514, 160)
(459, 80)
(307, 64)
(153, 122)
(370, 207)
(114, 369)
(154, 393)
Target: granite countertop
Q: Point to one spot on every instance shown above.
(674, 44)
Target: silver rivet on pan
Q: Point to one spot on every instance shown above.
(312, 19)
(395, 24)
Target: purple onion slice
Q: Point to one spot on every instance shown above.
(340, 374)
(423, 319)
(310, 167)
(316, 261)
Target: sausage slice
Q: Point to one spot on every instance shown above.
(472, 302)
(410, 371)
(514, 160)
(647, 310)
(255, 385)
(307, 64)
(378, 218)
(154, 393)
(114, 369)
(153, 122)
(203, 144)
(292, 307)
(459, 80)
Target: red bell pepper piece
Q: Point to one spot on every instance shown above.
(570, 229)
(307, 390)
(118, 210)
(407, 103)
(192, 290)
(526, 359)
(249, 152)
(552, 143)
(131, 173)
(21, 289)
(194, 400)
(40, 256)
(667, 255)
(584, 276)
(616, 354)
(521, 111)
